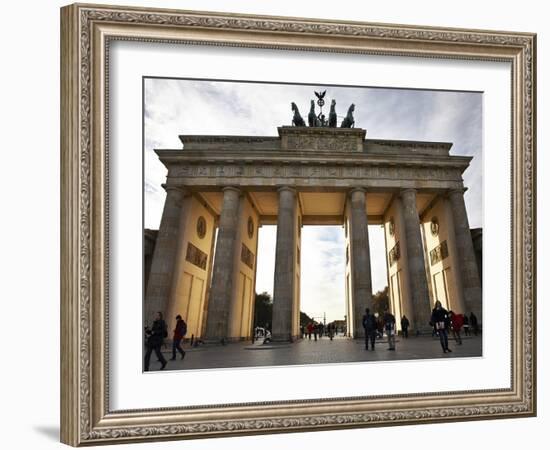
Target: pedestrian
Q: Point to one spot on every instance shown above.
(440, 320)
(155, 337)
(309, 330)
(179, 333)
(331, 331)
(380, 326)
(473, 323)
(370, 326)
(457, 321)
(405, 326)
(315, 331)
(466, 325)
(389, 325)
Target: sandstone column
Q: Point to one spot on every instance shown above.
(159, 285)
(360, 260)
(471, 285)
(224, 263)
(283, 290)
(418, 286)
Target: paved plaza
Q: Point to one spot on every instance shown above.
(322, 351)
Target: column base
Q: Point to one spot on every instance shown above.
(224, 340)
(421, 331)
(359, 334)
(282, 338)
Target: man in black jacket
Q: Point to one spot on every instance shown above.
(156, 335)
(389, 326)
(369, 324)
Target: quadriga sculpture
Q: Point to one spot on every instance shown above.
(349, 121)
(297, 120)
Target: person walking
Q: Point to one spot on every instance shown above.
(456, 324)
(370, 326)
(309, 330)
(405, 326)
(156, 335)
(389, 325)
(179, 333)
(466, 325)
(440, 321)
(380, 326)
(473, 323)
(331, 331)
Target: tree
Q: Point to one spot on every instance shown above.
(380, 301)
(304, 319)
(263, 310)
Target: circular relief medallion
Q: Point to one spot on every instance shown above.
(434, 226)
(201, 227)
(391, 227)
(250, 227)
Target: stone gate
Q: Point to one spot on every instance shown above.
(308, 176)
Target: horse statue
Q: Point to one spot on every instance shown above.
(311, 117)
(349, 121)
(332, 114)
(297, 120)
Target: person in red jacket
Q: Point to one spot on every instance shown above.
(309, 330)
(179, 333)
(457, 320)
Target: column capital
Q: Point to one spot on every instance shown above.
(407, 191)
(456, 191)
(232, 188)
(357, 189)
(183, 189)
(286, 188)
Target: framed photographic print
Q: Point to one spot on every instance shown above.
(275, 224)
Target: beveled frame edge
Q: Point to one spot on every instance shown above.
(85, 32)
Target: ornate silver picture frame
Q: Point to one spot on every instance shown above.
(87, 31)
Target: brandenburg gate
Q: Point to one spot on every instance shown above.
(308, 175)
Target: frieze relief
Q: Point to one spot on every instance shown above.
(247, 256)
(324, 143)
(196, 256)
(308, 170)
(439, 253)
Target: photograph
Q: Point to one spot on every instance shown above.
(260, 225)
(293, 224)
(281, 224)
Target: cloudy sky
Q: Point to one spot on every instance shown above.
(174, 107)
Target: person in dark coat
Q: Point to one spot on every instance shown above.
(389, 326)
(370, 326)
(473, 323)
(466, 325)
(440, 320)
(179, 333)
(156, 335)
(405, 326)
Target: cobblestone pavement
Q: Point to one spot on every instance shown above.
(323, 351)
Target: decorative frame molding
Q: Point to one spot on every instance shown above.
(86, 31)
